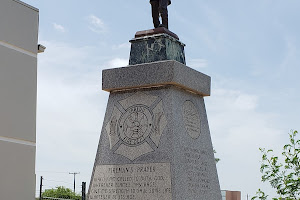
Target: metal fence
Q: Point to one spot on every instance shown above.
(82, 197)
(63, 197)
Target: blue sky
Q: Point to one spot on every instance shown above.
(249, 48)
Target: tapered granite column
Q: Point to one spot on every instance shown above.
(155, 142)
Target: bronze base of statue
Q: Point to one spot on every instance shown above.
(155, 45)
(160, 30)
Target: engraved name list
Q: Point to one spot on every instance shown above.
(132, 181)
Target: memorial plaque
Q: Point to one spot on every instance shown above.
(132, 181)
(191, 119)
(197, 171)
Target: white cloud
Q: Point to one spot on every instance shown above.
(70, 111)
(122, 46)
(246, 102)
(290, 59)
(197, 63)
(238, 129)
(235, 100)
(59, 27)
(96, 24)
(118, 62)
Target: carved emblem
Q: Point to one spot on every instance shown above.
(191, 119)
(136, 125)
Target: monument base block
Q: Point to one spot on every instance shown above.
(155, 142)
(156, 45)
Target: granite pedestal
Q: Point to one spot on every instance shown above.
(155, 142)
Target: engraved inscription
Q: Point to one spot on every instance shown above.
(160, 122)
(197, 171)
(113, 124)
(132, 181)
(111, 127)
(157, 119)
(191, 119)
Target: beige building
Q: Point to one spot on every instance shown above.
(18, 86)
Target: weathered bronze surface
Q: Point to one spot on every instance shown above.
(160, 8)
(155, 31)
(156, 47)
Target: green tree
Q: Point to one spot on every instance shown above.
(61, 192)
(260, 195)
(282, 172)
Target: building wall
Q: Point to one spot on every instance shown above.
(223, 192)
(231, 195)
(18, 83)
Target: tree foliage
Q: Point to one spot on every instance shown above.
(216, 159)
(260, 195)
(282, 172)
(61, 192)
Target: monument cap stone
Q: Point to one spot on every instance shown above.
(156, 74)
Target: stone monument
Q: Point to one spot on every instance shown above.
(155, 142)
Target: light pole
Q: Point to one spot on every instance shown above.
(41, 188)
(74, 173)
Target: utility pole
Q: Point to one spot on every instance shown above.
(74, 173)
(83, 191)
(41, 187)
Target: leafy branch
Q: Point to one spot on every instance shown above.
(283, 177)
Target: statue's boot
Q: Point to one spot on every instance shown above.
(155, 13)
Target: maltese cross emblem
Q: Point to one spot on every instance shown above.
(136, 125)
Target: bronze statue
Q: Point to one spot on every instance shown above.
(160, 8)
